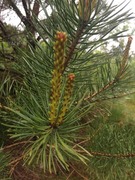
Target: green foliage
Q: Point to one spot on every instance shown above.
(30, 120)
(5, 46)
(115, 139)
(4, 160)
(10, 40)
(98, 76)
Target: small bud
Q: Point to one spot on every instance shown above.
(124, 61)
(86, 7)
(61, 36)
(130, 39)
(126, 52)
(71, 76)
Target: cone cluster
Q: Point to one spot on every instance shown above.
(56, 117)
(66, 98)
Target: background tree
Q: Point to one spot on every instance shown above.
(31, 8)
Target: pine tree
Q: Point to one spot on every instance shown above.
(64, 80)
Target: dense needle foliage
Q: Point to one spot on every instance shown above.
(62, 82)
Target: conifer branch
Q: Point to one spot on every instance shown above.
(119, 73)
(85, 10)
(74, 43)
(113, 155)
(113, 97)
(100, 91)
